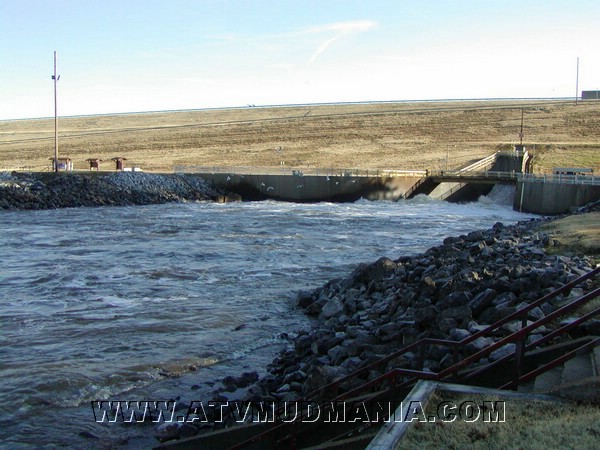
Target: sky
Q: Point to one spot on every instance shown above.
(118, 56)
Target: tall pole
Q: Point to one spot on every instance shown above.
(521, 132)
(55, 78)
(577, 82)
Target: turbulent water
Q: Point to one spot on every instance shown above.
(124, 303)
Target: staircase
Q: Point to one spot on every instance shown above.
(576, 378)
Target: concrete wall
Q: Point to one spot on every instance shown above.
(312, 188)
(508, 163)
(553, 198)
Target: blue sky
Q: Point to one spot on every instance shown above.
(142, 55)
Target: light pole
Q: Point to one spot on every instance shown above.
(55, 78)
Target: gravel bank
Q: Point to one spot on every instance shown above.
(49, 190)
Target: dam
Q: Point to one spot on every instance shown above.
(538, 194)
(339, 185)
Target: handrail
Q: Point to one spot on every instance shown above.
(519, 336)
(546, 338)
(495, 326)
(554, 363)
(298, 171)
(592, 180)
(516, 336)
(488, 160)
(415, 187)
(473, 174)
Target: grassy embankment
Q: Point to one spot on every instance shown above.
(367, 136)
(528, 424)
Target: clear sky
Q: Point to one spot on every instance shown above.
(142, 55)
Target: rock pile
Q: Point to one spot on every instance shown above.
(449, 292)
(46, 191)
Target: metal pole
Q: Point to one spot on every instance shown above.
(55, 78)
(521, 132)
(577, 83)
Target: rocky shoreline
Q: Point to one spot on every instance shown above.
(451, 291)
(69, 190)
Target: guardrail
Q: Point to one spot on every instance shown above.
(487, 161)
(560, 178)
(24, 169)
(466, 173)
(317, 171)
(473, 174)
(528, 177)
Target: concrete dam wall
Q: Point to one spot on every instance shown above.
(553, 198)
(313, 188)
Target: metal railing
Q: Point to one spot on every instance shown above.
(487, 174)
(296, 171)
(516, 176)
(419, 347)
(560, 178)
(487, 161)
(403, 378)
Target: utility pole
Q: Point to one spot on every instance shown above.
(577, 83)
(521, 132)
(55, 78)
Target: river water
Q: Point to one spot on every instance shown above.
(137, 303)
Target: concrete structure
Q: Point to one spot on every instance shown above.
(590, 95)
(544, 194)
(475, 180)
(555, 194)
(351, 185)
(314, 188)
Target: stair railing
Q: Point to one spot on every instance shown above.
(400, 378)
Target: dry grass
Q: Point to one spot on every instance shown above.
(529, 424)
(579, 233)
(367, 136)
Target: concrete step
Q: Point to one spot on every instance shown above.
(577, 368)
(547, 380)
(596, 360)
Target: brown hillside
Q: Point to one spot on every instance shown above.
(365, 136)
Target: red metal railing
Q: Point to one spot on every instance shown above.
(400, 378)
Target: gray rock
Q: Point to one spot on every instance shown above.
(426, 317)
(337, 354)
(168, 431)
(503, 312)
(479, 344)
(446, 324)
(503, 351)
(458, 313)
(304, 299)
(474, 327)
(482, 301)
(458, 334)
(536, 313)
(333, 307)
